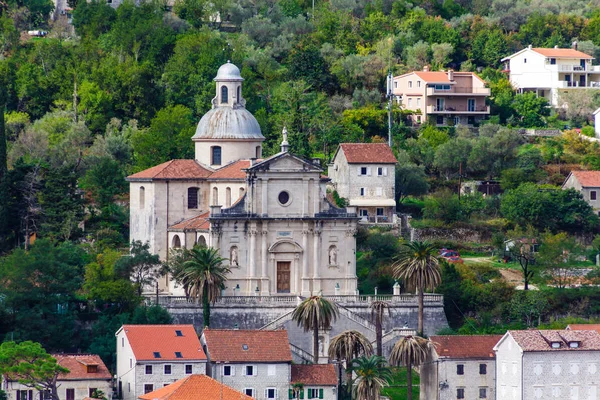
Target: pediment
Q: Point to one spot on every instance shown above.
(287, 162)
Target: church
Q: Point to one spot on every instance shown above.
(269, 218)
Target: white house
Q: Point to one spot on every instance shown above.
(317, 381)
(550, 72)
(87, 375)
(257, 363)
(588, 184)
(364, 175)
(153, 356)
(460, 367)
(548, 364)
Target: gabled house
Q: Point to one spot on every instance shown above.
(87, 376)
(256, 363)
(551, 71)
(460, 367)
(364, 175)
(316, 381)
(447, 98)
(588, 184)
(153, 356)
(548, 364)
(195, 387)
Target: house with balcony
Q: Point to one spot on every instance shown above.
(550, 72)
(448, 98)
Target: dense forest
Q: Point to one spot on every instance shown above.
(122, 90)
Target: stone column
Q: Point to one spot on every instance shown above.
(265, 197)
(305, 198)
(316, 259)
(350, 286)
(264, 275)
(305, 291)
(252, 273)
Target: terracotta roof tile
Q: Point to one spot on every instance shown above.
(262, 346)
(195, 387)
(174, 169)
(587, 178)
(318, 374)
(145, 340)
(476, 346)
(584, 327)
(199, 222)
(77, 364)
(562, 53)
(540, 340)
(433, 76)
(368, 153)
(235, 170)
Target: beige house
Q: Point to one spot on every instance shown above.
(87, 375)
(364, 175)
(460, 367)
(588, 184)
(448, 98)
(548, 364)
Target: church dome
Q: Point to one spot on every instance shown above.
(228, 123)
(228, 72)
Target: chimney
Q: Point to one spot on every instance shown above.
(215, 210)
(252, 161)
(450, 75)
(575, 45)
(529, 47)
(426, 68)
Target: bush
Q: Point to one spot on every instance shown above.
(588, 131)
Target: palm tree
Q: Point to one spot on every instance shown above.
(378, 308)
(347, 346)
(410, 351)
(371, 376)
(314, 313)
(204, 275)
(419, 267)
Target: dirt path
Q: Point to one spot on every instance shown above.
(512, 276)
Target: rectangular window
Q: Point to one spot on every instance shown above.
(122, 342)
(313, 393)
(148, 369)
(418, 83)
(439, 120)
(409, 84)
(363, 212)
(157, 354)
(553, 61)
(483, 393)
(271, 393)
(271, 370)
(460, 393)
(227, 370)
(249, 370)
(70, 394)
(188, 369)
(249, 392)
(418, 102)
(362, 191)
(593, 195)
(524, 61)
(363, 170)
(409, 102)
(460, 369)
(91, 392)
(148, 387)
(178, 354)
(379, 211)
(192, 204)
(379, 171)
(167, 369)
(178, 333)
(482, 369)
(395, 85)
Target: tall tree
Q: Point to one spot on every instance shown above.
(418, 265)
(3, 101)
(314, 313)
(372, 375)
(378, 311)
(141, 266)
(410, 351)
(347, 346)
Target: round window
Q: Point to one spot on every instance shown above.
(284, 197)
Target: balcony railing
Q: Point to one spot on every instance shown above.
(431, 91)
(458, 109)
(577, 84)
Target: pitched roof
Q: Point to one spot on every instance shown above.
(146, 340)
(247, 345)
(561, 53)
(199, 222)
(584, 327)
(587, 178)
(368, 153)
(433, 76)
(77, 364)
(234, 170)
(174, 169)
(476, 346)
(541, 340)
(195, 387)
(314, 374)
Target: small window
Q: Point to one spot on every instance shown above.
(271, 393)
(556, 345)
(239, 94)
(192, 201)
(284, 197)
(188, 369)
(215, 196)
(524, 61)
(593, 195)
(178, 333)
(313, 393)
(553, 61)
(227, 370)
(379, 171)
(418, 83)
(379, 211)
(409, 84)
(395, 85)
(482, 369)
(409, 102)
(228, 197)
(167, 369)
(418, 102)
(178, 354)
(363, 170)
(249, 370)
(249, 392)
(483, 393)
(142, 197)
(460, 369)
(92, 369)
(460, 393)
(176, 243)
(439, 120)
(363, 212)
(70, 394)
(215, 155)
(148, 369)
(258, 152)
(573, 345)
(362, 191)
(122, 342)
(224, 95)
(148, 387)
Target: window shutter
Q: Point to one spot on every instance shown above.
(320, 393)
(255, 370)
(31, 395)
(276, 393)
(302, 394)
(290, 393)
(369, 171)
(18, 395)
(266, 393)
(385, 171)
(358, 171)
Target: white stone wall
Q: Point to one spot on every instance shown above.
(275, 375)
(471, 381)
(158, 378)
(339, 173)
(233, 150)
(509, 370)
(237, 189)
(82, 388)
(125, 367)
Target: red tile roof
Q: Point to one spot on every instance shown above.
(199, 222)
(433, 76)
(561, 53)
(195, 387)
(232, 171)
(247, 345)
(536, 340)
(145, 340)
(476, 346)
(174, 169)
(587, 178)
(584, 327)
(314, 374)
(77, 364)
(368, 153)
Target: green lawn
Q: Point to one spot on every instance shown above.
(397, 389)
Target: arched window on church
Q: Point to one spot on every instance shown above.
(258, 152)
(228, 197)
(224, 95)
(176, 242)
(201, 241)
(242, 191)
(215, 156)
(193, 197)
(215, 196)
(239, 94)
(142, 197)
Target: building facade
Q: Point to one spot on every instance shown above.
(364, 174)
(550, 72)
(588, 184)
(195, 387)
(314, 382)
(447, 98)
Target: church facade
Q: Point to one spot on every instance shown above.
(268, 217)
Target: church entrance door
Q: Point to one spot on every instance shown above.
(283, 276)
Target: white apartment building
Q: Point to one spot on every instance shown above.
(548, 364)
(152, 356)
(550, 72)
